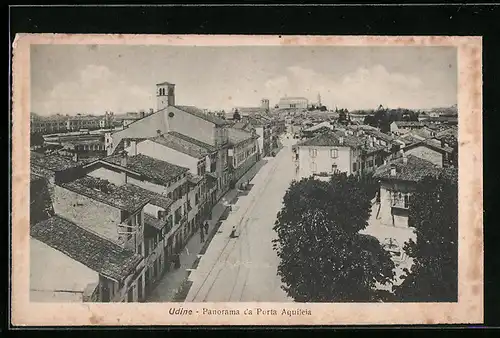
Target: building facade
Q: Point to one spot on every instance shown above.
(243, 152)
(293, 102)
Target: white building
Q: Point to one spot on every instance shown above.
(293, 102)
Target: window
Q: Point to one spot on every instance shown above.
(313, 167)
(354, 166)
(169, 222)
(313, 152)
(334, 153)
(178, 215)
(334, 168)
(139, 249)
(400, 200)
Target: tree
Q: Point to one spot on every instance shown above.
(323, 258)
(236, 115)
(434, 215)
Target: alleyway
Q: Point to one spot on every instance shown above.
(170, 283)
(244, 269)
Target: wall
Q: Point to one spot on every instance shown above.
(163, 153)
(244, 167)
(385, 215)
(90, 214)
(152, 209)
(324, 161)
(190, 125)
(113, 176)
(52, 270)
(427, 154)
(260, 140)
(144, 128)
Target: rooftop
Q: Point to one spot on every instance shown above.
(95, 252)
(181, 145)
(240, 125)
(54, 162)
(194, 179)
(165, 83)
(333, 139)
(153, 197)
(433, 144)
(201, 114)
(153, 222)
(189, 139)
(409, 124)
(237, 136)
(122, 197)
(150, 167)
(413, 171)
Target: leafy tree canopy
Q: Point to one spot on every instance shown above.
(434, 215)
(323, 257)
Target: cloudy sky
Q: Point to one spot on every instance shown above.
(70, 79)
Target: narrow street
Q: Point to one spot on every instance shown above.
(244, 269)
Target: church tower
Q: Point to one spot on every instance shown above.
(319, 100)
(165, 95)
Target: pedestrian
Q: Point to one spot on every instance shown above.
(206, 226)
(202, 236)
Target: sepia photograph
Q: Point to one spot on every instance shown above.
(204, 175)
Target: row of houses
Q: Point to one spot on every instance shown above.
(115, 224)
(362, 150)
(65, 123)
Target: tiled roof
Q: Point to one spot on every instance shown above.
(41, 206)
(237, 136)
(409, 124)
(180, 145)
(95, 252)
(333, 139)
(409, 139)
(433, 144)
(40, 171)
(55, 162)
(199, 113)
(240, 125)
(319, 126)
(189, 139)
(414, 170)
(153, 222)
(150, 167)
(153, 197)
(121, 197)
(194, 179)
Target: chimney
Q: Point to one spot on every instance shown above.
(142, 113)
(75, 156)
(151, 111)
(124, 158)
(393, 170)
(405, 159)
(133, 148)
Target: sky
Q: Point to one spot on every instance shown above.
(71, 79)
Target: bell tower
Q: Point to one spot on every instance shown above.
(165, 95)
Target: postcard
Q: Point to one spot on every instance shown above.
(246, 180)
